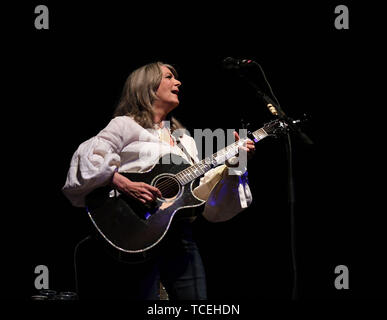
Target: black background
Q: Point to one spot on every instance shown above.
(66, 81)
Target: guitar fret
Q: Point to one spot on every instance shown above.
(180, 178)
(259, 134)
(200, 168)
(191, 173)
(185, 177)
(197, 171)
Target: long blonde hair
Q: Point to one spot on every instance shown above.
(139, 93)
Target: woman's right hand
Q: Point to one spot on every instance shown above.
(138, 190)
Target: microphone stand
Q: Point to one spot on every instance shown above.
(277, 111)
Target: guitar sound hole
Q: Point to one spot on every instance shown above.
(168, 187)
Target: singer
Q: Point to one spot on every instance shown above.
(140, 123)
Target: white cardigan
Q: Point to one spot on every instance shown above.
(126, 146)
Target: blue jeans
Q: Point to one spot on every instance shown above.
(178, 266)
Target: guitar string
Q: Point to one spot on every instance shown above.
(200, 165)
(170, 182)
(165, 185)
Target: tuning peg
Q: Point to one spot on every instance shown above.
(244, 125)
(305, 118)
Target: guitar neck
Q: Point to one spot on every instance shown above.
(198, 169)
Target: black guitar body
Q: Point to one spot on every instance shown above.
(132, 227)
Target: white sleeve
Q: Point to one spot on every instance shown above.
(95, 161)
(225, 190)
(230, 196)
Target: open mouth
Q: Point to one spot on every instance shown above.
(175, 92)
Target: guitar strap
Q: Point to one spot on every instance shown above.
(193, 214)
(181, 146)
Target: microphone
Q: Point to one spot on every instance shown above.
(231, 63)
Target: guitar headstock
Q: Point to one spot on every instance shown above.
(275, 127)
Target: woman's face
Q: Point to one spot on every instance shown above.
(168, 90)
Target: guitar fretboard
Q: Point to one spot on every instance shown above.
(198, 169)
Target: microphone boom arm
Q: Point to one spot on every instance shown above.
(277, 111)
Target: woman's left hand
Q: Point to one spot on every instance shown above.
(249, 147)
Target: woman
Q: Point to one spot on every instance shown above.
(132, 141)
